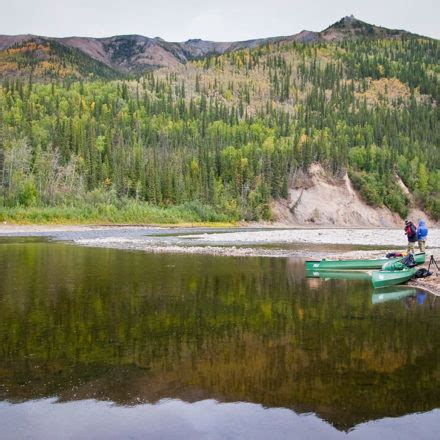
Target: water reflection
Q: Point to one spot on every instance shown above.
(173, 420)
(395, 293)
(339, 274)
(79, 323)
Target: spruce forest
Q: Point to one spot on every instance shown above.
(218, 138)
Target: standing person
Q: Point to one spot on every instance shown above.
(422, 233)
(411, 233)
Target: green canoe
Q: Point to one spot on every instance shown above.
(383, 278)
(376, 263)
(338, 274)
(392, 294)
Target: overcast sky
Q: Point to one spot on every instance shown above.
(219, 20)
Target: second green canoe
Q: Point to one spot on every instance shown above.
(383, 278)
(375, 263)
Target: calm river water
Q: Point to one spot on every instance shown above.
(104, 343)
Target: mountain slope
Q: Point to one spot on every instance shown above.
(136, 54)
(227, 135)
(47, 58)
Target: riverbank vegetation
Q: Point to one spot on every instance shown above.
(124, 211)
(218, 138)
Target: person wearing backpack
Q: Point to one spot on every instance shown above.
(411, 233)
(422, 233)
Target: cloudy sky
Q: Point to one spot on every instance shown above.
(220, 20)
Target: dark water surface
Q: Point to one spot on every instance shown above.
(102, 343)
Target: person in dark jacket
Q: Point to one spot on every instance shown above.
(422, 233)
(411, 233)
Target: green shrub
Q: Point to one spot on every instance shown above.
(367, 185)
(434, 208)
(27, 195)
(397, 202)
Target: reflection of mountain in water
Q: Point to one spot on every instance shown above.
(82, 323)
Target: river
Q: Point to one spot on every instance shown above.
(108, 343)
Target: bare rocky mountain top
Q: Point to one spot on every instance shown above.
(351, 27)
(7, 41)
(136, 53)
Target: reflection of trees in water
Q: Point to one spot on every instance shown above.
(93, 323)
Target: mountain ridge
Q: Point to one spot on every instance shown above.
(134, 53)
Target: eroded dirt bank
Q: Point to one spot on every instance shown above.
(316, 198)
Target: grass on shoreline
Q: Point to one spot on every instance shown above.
(129, 213)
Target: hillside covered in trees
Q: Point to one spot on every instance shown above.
(220, 137)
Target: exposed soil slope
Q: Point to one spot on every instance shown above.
(318, 199)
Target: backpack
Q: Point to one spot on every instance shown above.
(409, 261)
(393, 266)
(394, 254)
(411, 230)
(423, 273)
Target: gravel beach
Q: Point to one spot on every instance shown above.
(317, 243)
